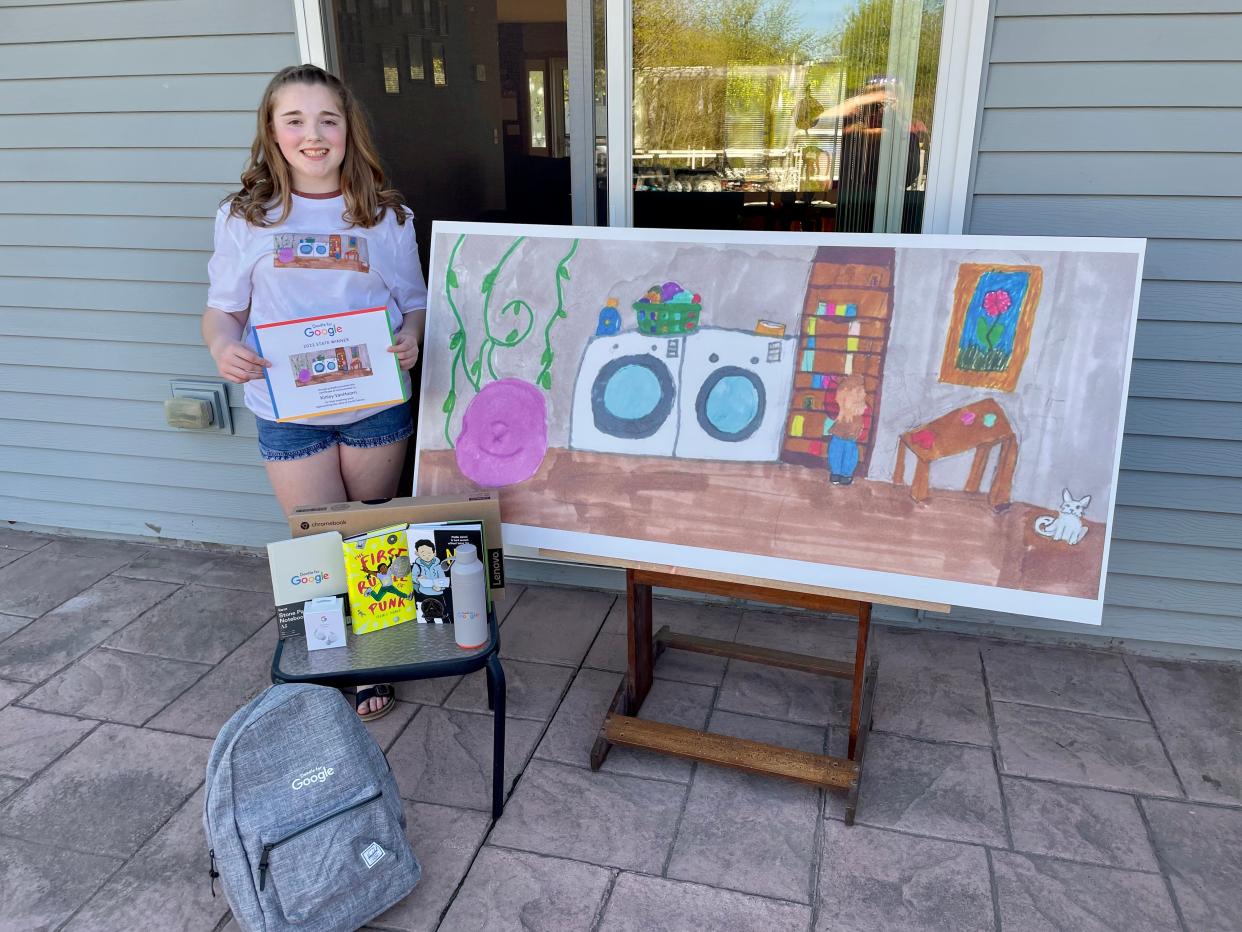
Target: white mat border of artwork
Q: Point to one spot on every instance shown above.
(895, 585)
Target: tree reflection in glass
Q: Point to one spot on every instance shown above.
(799, 110)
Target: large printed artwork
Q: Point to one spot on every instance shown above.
(924, 418)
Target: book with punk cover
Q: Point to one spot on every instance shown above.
(377, 569)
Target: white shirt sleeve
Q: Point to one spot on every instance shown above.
(409, 290)
(228, 273)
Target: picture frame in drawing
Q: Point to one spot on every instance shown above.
(990, 331)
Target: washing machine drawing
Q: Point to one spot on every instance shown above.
(625, 396)
(735, 388)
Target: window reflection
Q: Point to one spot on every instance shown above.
(538, 112)
(783, 114)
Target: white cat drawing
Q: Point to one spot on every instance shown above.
(1066, 526)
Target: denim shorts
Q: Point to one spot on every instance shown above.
(291, 441)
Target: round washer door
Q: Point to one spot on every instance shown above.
(632, 397)
(730, 404)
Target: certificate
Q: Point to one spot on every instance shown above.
(330, 363)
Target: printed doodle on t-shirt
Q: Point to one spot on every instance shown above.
(341, 251)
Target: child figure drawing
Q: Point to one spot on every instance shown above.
(383, 573)
(429, 574)
(851, 427)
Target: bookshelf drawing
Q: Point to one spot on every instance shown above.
(843, 331)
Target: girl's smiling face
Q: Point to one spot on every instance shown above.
(310, 129)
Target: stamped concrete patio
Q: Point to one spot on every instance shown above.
(1007, 786)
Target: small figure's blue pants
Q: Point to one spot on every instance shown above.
(842, 456)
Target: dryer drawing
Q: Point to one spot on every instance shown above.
(735, 388)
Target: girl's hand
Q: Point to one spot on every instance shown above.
(237, 362)
(405, 345)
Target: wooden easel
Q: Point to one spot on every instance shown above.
(622, 726)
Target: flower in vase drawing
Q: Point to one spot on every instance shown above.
(991, 320)
(996, 303)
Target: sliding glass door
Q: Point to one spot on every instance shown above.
(809, 115)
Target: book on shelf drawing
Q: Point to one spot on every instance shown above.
(377, 569)
(433, 550)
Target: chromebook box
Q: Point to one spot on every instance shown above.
(352, 518)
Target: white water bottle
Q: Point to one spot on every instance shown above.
(469, 598)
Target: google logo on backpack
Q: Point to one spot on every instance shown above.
(312, 777)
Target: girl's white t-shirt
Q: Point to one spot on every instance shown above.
(313, 263)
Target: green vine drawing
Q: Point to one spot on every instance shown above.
(517, 315)
(544, 379)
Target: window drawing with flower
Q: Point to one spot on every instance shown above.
(990, 333)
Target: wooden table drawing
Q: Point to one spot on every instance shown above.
(980, 427)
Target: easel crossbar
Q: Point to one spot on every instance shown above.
(727, 751)
(668, 640)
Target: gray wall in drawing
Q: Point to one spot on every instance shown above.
(1061, 410)
(1064, 407)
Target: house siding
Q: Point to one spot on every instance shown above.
(1124, 118)
(122, 125)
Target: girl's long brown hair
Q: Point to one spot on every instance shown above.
(851, 399)
(266, 183)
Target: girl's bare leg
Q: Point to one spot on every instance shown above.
(313, 480)
(372, 472)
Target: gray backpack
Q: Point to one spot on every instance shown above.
(302, 816)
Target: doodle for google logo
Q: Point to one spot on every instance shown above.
(328, 330)
(305, 579)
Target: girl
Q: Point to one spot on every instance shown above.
(851, 427)
(314, 175)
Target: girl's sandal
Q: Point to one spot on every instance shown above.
(381, 691)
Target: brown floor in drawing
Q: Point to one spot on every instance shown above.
(873, 525)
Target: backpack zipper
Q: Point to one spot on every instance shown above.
(267, 849)
(207, 791)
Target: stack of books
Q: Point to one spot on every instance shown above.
(404, 572)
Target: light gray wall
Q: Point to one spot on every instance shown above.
(121, 127)
(1124, 118)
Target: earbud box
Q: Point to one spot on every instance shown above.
(324, 622)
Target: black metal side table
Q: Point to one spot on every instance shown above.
(409, 651)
